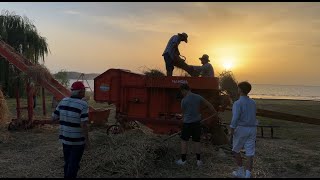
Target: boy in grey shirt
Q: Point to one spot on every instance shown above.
(190, 106)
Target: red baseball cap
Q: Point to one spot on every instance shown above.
(78, 85)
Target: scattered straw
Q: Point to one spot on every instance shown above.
(4, 111)
(131, 154)
(154, 73)
(38, 153)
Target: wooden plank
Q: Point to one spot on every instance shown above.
(286, 116)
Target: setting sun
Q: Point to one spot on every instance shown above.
(227, 63)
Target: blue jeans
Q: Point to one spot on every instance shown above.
(72, 157)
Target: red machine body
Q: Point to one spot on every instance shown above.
(151, 100)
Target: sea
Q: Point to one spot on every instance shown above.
(265, 91)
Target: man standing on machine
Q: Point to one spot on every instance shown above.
(171, 53)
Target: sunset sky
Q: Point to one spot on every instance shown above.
(264, 43)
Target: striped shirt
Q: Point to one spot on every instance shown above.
(71, 112)
(244, 113)
(172, 46)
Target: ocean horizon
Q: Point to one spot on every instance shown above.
(265, 91)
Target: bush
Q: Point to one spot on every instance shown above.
(229, 84)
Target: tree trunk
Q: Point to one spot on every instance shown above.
(8, 80)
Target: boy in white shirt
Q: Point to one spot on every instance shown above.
(243, 129)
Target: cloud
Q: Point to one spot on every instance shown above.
(235, 21)
(71, 12)
(133, 23)
(169, 18)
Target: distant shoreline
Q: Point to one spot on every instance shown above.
(287, 85)
(261, 94)
(269, 99)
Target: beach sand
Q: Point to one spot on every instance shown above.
(294, 152)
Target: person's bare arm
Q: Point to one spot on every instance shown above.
(176, 52)
(210, 106)
(85, 131)
(234, 121)
(55, 115)
(84, 118)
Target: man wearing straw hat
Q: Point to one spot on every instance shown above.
(171, 53)
(190, 105)
(72, 113)
(206, 70)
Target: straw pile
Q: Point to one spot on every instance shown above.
(4, 119)
(135, 154)
(38, 71)
(228, 84)
(154, 73)
(131, 154)
(4, 111)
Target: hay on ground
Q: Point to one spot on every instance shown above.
(4, 111)
(131, 154)
(138, 155)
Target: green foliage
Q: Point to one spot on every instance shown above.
(229, 84)
(22, 35)
(62, 77)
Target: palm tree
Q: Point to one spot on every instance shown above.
(22, 35)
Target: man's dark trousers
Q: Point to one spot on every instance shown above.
(72, 157)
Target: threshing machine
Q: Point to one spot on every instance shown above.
(154, 101)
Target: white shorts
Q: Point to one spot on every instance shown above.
(244, 137)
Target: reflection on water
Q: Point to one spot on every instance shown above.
(285, 92)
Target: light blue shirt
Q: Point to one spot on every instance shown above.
(244, 113)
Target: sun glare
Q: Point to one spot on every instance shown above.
(227, 63)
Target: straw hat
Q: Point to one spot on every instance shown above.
(185, 36)
(205, 57)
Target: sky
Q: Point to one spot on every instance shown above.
(260, 42)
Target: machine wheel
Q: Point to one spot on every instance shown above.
(11, 126)
(205, 134)
(114, 129)
(133, 124)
